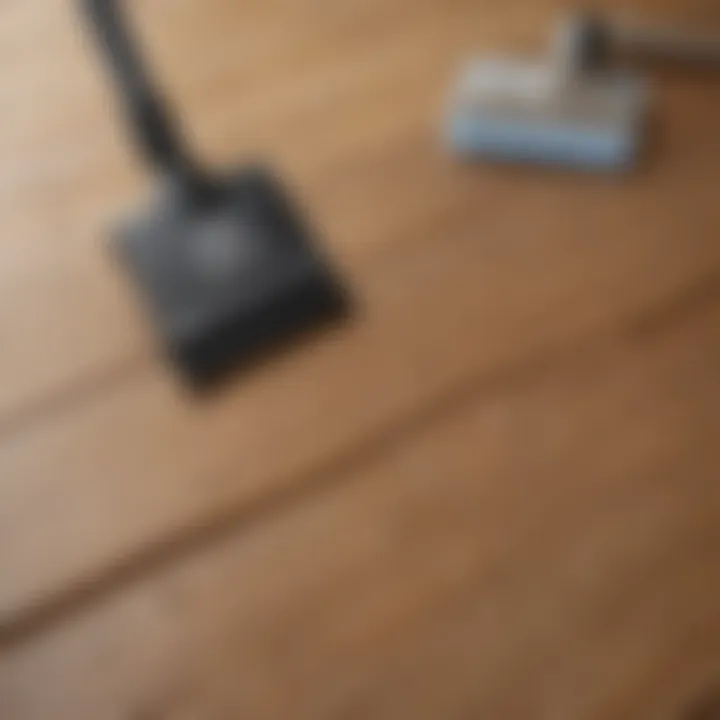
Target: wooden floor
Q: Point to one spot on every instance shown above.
(495, 494)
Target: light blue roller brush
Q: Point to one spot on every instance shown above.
(568, 110)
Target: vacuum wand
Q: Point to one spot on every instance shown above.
(155, 131)
(701, 50)
(591, 42)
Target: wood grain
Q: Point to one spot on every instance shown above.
(493, 494)
(549, 549)
(311, 86)
(310, 89)
(141, 464)
(469, 270)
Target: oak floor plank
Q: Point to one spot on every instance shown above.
(478, 269)
(86, 490)
(548, 548)
(314, 87)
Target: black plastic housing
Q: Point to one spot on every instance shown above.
(227, 278)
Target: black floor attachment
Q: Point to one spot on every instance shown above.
(225, 265)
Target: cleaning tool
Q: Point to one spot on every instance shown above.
(224, 263)
(574, 108)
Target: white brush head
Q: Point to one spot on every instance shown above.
(519, 110)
